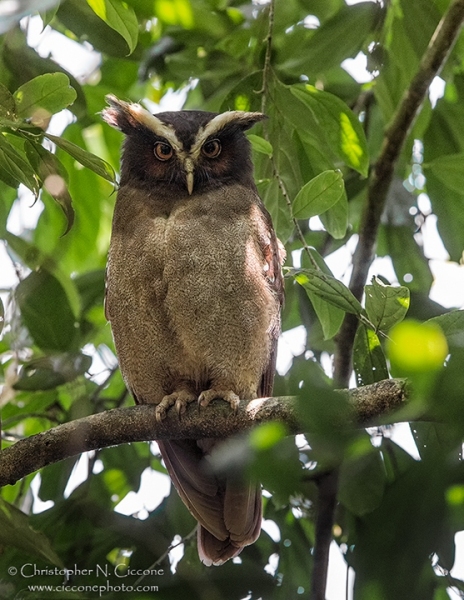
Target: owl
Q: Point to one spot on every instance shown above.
(194, 293)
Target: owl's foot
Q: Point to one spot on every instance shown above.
(178, 399)
(205, 397)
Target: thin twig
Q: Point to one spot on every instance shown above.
(157, 562)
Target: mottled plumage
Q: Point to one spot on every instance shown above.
(194, 291)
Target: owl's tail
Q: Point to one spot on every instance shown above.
(229, 511)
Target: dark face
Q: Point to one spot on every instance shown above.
(189, 151)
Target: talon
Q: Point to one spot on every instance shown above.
(178, 399)
(205, 398)
(160, 414)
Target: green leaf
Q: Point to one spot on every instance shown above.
(259, 144)
(338, 38)
(15, 531)
(369, 361)
(410, 264)
(328, 288)
(16, 167)
(449, 170)
(362, 482)
(53, 177)
(119, 17)
(330, 316)
(44, 96)
(7, 104)
(452, 325)
(48, 372)
(46, 312)
(318, 195)
(335, 220)
(344, 132)
(386, 305)
(87, 159)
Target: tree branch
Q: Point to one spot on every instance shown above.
(396, 133)
(138, 424)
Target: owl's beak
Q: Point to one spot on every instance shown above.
(188, 166)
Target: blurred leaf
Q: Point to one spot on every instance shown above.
(50, 371)
(44, 96)
(55, 478)
(350, 26)
(452, 325)
(449, 170)
(410, 264)
(369, 361)
(46, 312)
(7, 104)
(410, 559)
(362, 482)
(119, 17)
(318, 195)
(53, 177)
(386, 305)
(328, 418)
(259, 144)
(91, 288)
(15, 531)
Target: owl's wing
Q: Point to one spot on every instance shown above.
(274, 256)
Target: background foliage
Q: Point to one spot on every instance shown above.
(397, 516)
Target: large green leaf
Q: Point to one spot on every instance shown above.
(44, 96)
(369, 360)
(16, 167)
(328, 288)
(386, 305)
(452, 325)
(87, 159)
(46, 311)
(318, 195)
(330, 316)
(340, 37)
(449, 170)
(341, 127)
(15, 531)
(119, 17)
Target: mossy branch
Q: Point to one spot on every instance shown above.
(138, 424)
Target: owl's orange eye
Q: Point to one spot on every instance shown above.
(163, 151)
(212, 148)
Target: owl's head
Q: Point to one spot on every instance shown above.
(188, 149)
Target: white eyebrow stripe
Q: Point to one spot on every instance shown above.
(216, 124)
(151, 122)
